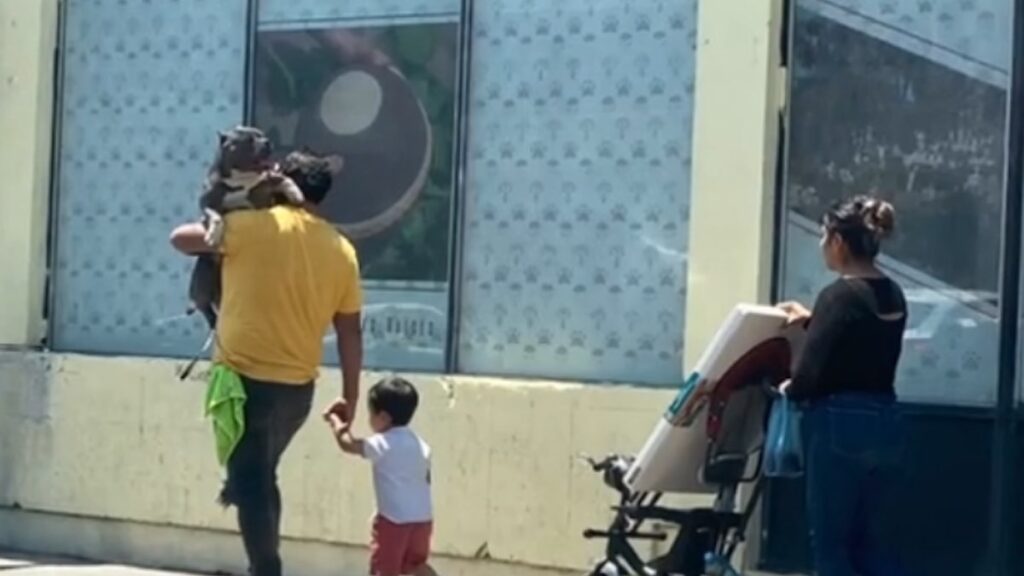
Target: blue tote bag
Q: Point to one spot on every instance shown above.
(784, 445)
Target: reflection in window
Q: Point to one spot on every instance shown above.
(919, 120)
(378, 97)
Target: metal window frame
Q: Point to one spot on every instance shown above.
(1004, 491)
(53, 193)
(252, 11)
(459, 189)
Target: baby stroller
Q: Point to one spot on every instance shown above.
(725, 419)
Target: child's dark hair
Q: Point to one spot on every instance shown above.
(311, 173)
(395, 397)
(862, 223)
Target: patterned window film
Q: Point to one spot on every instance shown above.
(577, 195)
(146, 86)
(577, 177)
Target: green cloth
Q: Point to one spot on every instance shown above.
(225, 404)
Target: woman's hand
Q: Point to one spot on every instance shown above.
(796, 312)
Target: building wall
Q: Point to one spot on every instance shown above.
(27, 44)
(122, 439)
(109, 457)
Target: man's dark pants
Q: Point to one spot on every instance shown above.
(273, 414)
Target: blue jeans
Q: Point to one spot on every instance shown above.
(854, 448)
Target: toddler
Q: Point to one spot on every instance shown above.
(401, 479)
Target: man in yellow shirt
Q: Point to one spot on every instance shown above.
(287, 276)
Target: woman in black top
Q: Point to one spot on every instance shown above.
(846, 374)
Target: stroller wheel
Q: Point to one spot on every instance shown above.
(608, 568)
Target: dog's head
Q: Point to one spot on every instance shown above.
(243, 149)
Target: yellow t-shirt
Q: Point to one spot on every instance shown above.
(286, 273)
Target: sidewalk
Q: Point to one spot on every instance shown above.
(12, 564)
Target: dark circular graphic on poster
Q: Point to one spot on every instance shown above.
(380, 102)
(370, 117)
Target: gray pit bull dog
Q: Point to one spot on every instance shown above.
(243, 177)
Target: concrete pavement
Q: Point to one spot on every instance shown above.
(12, 564)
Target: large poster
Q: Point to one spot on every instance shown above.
(380, 102)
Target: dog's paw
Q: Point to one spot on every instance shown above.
(215, 235)
(214, 229)
(292, 192)
(210, 216)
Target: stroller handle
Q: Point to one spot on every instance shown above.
(612, 469)
(596, 465)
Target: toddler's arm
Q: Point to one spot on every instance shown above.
(343, 435)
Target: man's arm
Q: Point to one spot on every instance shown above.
(190, 239)
(349, 331)
(348, 327)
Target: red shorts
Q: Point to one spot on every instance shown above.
(399, 549)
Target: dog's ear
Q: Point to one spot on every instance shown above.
(335, 164)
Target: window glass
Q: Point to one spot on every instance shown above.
(374, 85)
(146, 86)
(578, 189)
(907, 101)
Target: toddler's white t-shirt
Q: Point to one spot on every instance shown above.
(401, 475)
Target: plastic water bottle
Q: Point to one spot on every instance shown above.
(715, 565)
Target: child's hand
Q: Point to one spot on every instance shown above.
(338, 426)
(341, 407)
(343, 434)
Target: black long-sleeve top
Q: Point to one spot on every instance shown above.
(854, 340)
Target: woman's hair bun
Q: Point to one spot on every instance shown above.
(879, 217)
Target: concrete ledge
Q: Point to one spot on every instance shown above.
(121, 439)
(204, 551)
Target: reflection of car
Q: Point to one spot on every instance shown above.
(950, 345)
(931, 310)
(952, 335)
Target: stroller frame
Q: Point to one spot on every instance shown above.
(707, 537)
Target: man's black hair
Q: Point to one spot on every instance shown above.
(311, 173)
(395, 397)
